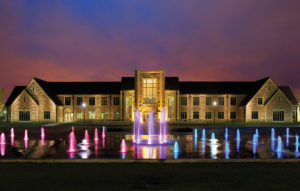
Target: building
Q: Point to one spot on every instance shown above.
(255, 101)
(1, 99)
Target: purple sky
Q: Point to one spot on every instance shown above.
(76, 40)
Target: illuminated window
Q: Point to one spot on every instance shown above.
(91, 115)
(116, 116)
(171, 101)
(149, 91)
(79, 115)
(104, 115)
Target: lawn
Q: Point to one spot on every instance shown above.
(148, 176)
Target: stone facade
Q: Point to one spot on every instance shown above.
(151, 90)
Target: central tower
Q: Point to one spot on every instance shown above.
(149, 92)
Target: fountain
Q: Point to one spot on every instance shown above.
(279, 147)
(227, 150)
(96, 137)
(203, 135)
(152, 138)
(238, 140)
(73, 130)
(272, 134)
(72, 142)
(12, 137)
(26, 139)
(256, 132)
(297, 146)
(287, 136)
(195, 139)
(2, 141)
(42, 136)
(213, 137)
(123, 146)
(254, 143)
(2, 144)
(150, 127)
(176, 150)
(86, 140)
(103, 132)
(226, 134)
(12, 132)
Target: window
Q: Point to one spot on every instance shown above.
(92, 115)
(208, 100)
(79, 100)
(208, 115)
(116, 116)
(183, 115)
(233, 115)
(24, 116)
(103, 100)
(33, 87)
(116, 101)
(220, 115)
(149, 91)
(171, 101)
(294, 115)
(260, 101)
(104, 115)
(196, 115)
(220, 100)
(79, 115)
(24, 98)
(233, 101)
(269, 87)
(47, 115)
(183, 101)
(91, 100)
(254, 115)
(278, 116)
(278, 99)
(195, 100)
(67, 100)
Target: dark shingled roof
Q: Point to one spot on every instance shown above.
(171, 83)
(289, 94)
(127, 83)
(14, 94)
(239, 88)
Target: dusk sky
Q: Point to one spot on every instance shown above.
(103, 40)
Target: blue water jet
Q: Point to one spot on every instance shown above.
(176, 150)
(227, 150)
(226, 134)
(254, 143)
(238, 140)
(272, 134)
(213, 137)
(256, 132)
(297, 146)
(203, 135)
(195, 140)
(287, 136)
(279, 147)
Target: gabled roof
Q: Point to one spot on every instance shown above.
(239, 88)
(289, 94)
(14, 94)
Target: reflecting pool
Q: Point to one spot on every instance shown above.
(179, 143)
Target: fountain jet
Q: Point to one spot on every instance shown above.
(238, 140)
(96, 137)
(72, 142)
(123, 146)
(86, 137)
(150, 127)
(279, 147)
(287, 136)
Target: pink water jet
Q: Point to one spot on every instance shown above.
(96, 142)
(42, 132)
(103, 132)
(86, 137)
(72, 142)
(123, 146)
(26, 135)
(103, 143)
(2, 149)
(73, 129)
(12, 132)
(2, 141)
(96, 137)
